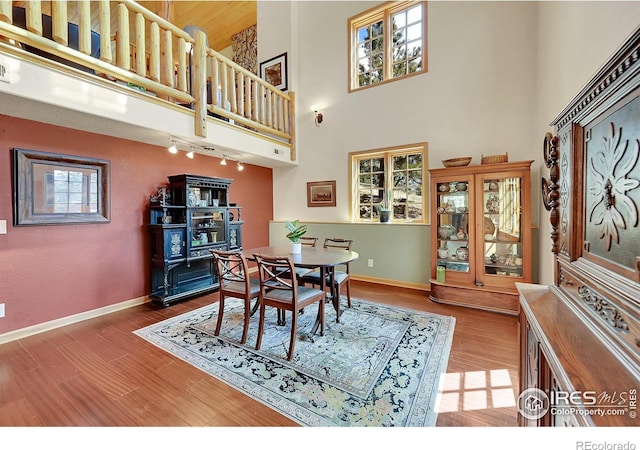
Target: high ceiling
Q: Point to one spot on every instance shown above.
(219, 19)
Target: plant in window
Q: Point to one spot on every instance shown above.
(384, 208)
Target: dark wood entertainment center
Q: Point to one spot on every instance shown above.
(580, 337)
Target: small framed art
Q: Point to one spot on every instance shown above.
(274, 71)
(321, 193)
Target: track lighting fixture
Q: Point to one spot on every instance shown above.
(193, 147)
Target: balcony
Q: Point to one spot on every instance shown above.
(115, 68)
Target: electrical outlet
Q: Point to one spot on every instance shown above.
(370, 262)
(4, 72)
(1, 310)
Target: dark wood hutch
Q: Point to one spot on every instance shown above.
(189, 217)
(580, 337)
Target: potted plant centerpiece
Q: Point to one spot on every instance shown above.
(295, 232)
(384, 208)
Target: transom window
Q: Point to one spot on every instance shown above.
(391, 179)
(387, 43)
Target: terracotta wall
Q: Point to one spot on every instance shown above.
(50, 272)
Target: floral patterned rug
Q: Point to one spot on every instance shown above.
(380, 366)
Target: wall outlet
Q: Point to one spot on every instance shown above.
(4, 72)
(1, 310)
(370, 262)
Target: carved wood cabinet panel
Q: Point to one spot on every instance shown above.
(587, 324)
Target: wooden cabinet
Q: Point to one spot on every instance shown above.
(188, 218)
(480, 235)
(580, 336)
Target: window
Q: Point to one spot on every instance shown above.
(387, 43)
(393, 178)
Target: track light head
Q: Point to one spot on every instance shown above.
(240, 166)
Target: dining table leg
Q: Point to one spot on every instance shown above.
(323, 287)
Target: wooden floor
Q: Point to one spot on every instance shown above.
(98, 373)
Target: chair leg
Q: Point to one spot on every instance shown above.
(260, 327)
(294, 326)
(337, 303)
(247, 315)
(349, 293)
(256, 305)
(220, 313)
(321, 312)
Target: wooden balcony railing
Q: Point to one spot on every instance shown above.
(123, 41)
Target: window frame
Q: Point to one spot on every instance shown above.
(388, 153)
(384, 12)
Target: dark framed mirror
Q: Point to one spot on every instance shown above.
(51, 188)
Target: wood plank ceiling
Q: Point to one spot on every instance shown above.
(219, 19)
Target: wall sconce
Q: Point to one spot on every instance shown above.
(172, 148)
(317, 116)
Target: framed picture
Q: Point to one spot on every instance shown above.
(50, 188)
(274, 71)
(321, 193)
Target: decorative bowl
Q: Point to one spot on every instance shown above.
(443, 187)
(457, 162)
(463, 209)
(463, 253)
(445, 231)
(460, 186)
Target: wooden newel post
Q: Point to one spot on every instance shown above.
(199, 92)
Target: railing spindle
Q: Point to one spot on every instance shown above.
(84, 27)
(59, 28)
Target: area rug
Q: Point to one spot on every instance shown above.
(380, 366)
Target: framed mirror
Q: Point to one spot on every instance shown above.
(50, 188)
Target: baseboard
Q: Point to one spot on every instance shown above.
(395, 283)
(57, 323)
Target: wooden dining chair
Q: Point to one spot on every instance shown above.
(233, 274)
(279, 288)
(340, 274)
(306, 241)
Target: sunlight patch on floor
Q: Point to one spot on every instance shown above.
(475, 390)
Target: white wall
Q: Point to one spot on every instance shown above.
(499, 72)
(470, 102)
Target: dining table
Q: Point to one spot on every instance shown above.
(323, 259)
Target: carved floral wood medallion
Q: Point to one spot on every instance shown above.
(612, 180)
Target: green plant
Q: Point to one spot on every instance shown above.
(386, 201)
(295, 230)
